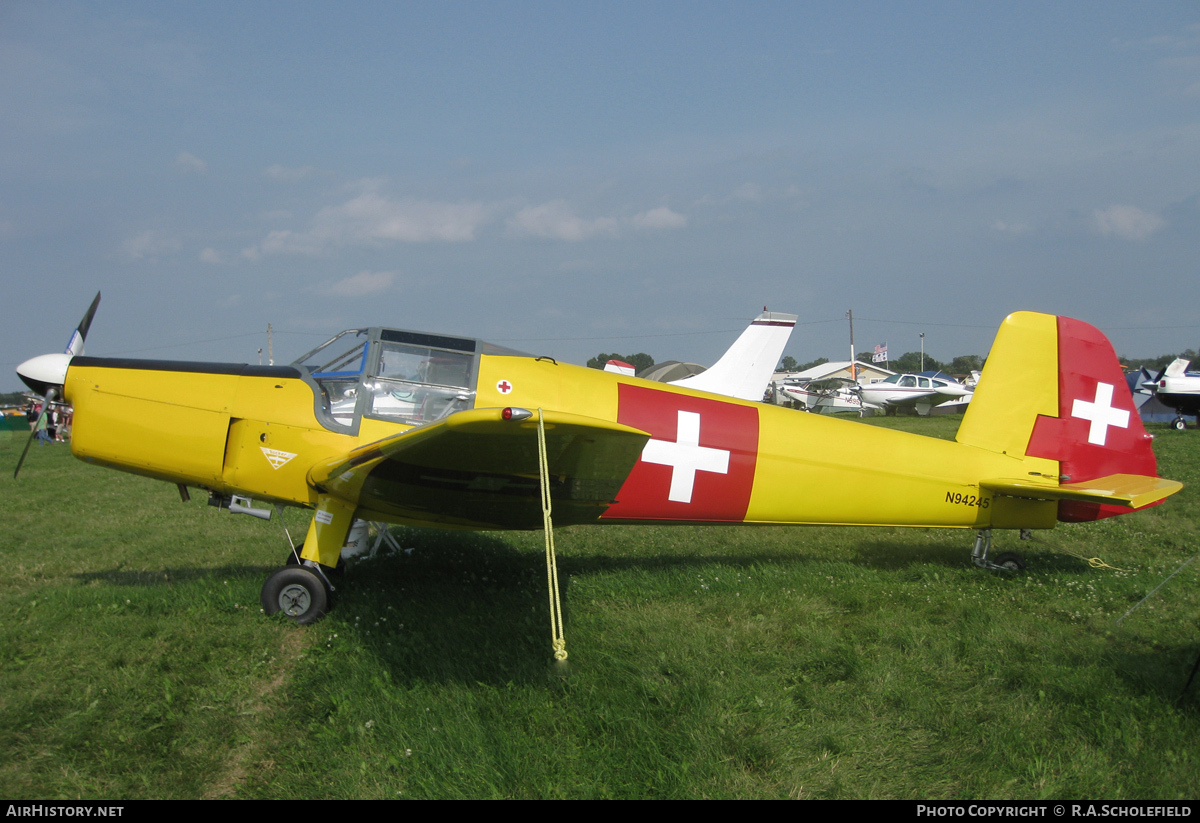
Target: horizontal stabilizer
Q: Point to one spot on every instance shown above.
(1130, 490)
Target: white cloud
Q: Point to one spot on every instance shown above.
(557, 221)
(283, 174)
(149, 244)
(660, 218)
(286, 242)
(373, 217)
(361, 284)
(749, 191)
(190, 163)
(211, 255)
(1010, 228)
(1127, 222)
(370, 219)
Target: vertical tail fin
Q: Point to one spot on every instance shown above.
(745, 370)
(1052, 393)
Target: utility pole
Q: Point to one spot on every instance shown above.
(922, 351)
(853, 366)
(270, 347)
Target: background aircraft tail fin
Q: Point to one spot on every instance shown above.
(1178, 368)
(620, 367)
(1052, 390)
(745, 370)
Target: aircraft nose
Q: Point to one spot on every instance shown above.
(43, 371)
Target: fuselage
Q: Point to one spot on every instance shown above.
(1180, 392)
(911, 389)
(256, 431)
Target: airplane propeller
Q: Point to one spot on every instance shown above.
(46, 373)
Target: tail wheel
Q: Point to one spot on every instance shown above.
(297, 592)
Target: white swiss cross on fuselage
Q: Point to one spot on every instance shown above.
(685, 456)
(1101, 414)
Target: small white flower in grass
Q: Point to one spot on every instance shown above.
(370, 723)
(408, 752)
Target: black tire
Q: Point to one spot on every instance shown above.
(1010, 561)
(1179, 424)
(297, 592)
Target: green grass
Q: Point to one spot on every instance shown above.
(704, 661)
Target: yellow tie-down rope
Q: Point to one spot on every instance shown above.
(556, 621)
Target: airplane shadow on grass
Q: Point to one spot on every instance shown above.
(467, 607)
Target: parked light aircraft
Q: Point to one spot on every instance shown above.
(919, 391)
(1179, 389)
(822, 395)
(437, 430)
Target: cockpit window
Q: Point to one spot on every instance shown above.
(409, 377)
(336, 366)
(419, 384)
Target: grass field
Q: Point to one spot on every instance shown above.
(704, 661)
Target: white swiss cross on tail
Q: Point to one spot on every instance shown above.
(686, 457)
(1097, 432)
(1101, 414)
(699, 462)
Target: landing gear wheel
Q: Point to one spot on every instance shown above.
(297, 592)
(1179, 424)
(1009, 561)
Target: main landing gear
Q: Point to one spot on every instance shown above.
(1005, 561)
(1179, 424)
(301, 592)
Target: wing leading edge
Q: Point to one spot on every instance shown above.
(476, 469)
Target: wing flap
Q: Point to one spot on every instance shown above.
(476, 469)
(1129, 490)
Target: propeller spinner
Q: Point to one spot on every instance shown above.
(46, 373)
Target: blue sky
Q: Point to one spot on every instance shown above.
(569, 178)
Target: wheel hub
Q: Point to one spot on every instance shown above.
(294, 600)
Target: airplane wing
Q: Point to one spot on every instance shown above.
(476, 469)
(1131, 490)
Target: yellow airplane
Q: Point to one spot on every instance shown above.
(432, 430)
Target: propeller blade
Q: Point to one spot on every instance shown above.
(37, 426)
(75, 344)
(46, 373)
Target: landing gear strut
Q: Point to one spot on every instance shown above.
(1006, 561)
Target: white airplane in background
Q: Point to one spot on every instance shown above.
(1179, 389)
(816, 396)
(745, 370)
(918, 391)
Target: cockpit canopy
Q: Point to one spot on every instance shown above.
(915, 381)
(405, 376)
